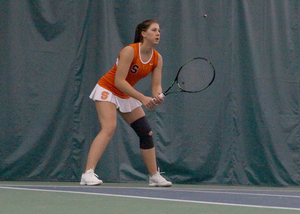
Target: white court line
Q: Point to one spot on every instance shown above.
(213, 191)
(244, 193)
(153, 198)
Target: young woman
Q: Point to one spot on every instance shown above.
(115, 93)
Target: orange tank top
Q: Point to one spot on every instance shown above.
(137, 70)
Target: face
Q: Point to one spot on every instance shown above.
(152, 34)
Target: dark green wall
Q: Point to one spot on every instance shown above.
(244, 129)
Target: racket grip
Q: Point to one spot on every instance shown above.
(161, 95)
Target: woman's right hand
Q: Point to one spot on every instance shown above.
(149, 103)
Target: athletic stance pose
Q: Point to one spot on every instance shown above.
(115, 91)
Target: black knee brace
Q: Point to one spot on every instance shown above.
(143, 129)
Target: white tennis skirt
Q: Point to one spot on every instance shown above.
(124, 105)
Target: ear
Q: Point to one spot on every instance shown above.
(143, 33)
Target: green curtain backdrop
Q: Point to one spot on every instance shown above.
(243, 130)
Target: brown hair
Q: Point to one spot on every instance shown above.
(142, 27)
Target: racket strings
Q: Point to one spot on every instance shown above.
(195, 75)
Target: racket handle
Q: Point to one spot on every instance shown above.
(161, 95)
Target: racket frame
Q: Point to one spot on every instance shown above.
(176, 79)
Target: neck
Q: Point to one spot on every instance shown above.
(146, 48)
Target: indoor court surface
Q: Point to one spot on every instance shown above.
(69, 197)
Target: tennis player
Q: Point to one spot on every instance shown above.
(115, 92)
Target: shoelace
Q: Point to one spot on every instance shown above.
(160, 178)
(95, 174)
(158, 169)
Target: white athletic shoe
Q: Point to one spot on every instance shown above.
(90, 178)
(157, 180)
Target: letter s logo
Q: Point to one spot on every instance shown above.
(104, 95)
(134, 69)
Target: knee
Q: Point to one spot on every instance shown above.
(143, 130)
(108, 129)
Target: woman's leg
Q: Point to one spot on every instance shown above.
(148, 155)
(107, 116)
(149, 158)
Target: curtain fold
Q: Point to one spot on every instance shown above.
(243, 130)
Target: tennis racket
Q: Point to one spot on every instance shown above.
(195, 75)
